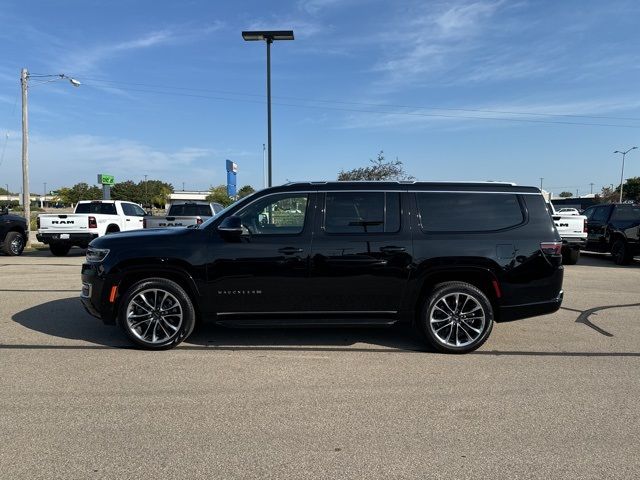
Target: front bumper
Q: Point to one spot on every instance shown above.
(79, 239)
(96, 290)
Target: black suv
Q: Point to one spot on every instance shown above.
(13, 233)
(614, 228)
(449, 258)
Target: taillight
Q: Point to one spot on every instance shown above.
(551, 248)
(92, 222)
(198, 221)
(584, 227)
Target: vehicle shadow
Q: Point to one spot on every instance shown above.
(66, 318)
(594, 259)
(397, 337)
(41, 252)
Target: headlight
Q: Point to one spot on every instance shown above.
(96, 255)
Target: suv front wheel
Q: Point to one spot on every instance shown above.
(457, 317)
(157, 314)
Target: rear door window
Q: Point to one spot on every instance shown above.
(468, 212)
(362, 212)
(600, 215)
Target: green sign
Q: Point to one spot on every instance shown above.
(104, 179)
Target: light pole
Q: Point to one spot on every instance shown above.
(24, 82)
(269, 36)
(624, 154)
(8, 197)
(145, 191)
(541, 179)
(44, 192)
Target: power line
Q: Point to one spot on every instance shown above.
(365, 104)
(355, 110)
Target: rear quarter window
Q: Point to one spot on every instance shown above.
(468, 212)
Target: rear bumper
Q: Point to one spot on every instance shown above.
(574, 242)
(517, 312)
(79, 239)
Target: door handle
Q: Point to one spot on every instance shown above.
(128, 219)
(290, 250)
(392, 249)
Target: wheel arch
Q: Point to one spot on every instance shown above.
(481, 277)
(129, 275)
(112, 228)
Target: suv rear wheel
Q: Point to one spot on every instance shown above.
(157, 314)
(570, 256)
(620, 252)
(457, 317)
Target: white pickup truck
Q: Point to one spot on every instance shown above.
(573, 230)
(91, 219)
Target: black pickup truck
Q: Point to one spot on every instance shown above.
(13, 233)
(615, 229)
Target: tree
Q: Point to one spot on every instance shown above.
(608, 195)
(380, 169)
(80, 191)
(631, 189)
(565, 194)
(219, 195)
(151, 192)
(246, 190)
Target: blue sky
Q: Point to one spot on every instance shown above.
(457, 90)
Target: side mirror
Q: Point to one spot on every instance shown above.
(231, 227)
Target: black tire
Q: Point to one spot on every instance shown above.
(176, 303)
(13, 244)
(621, 253)
(59, 249)
(462, 320)
(570, 256)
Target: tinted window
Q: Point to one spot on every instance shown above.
(600, 215)
(190, 210)
(362, 212)
(97, 207)
(471, 212)
(275, 214)
(133, 210)
(589, 213)
(626, 213)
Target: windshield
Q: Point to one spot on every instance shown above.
(225, 210)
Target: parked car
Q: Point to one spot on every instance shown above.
(91, 219)
(568, 211)
(573, 231)
(614, 228)
(13, 233)
(449, 258)
(184, 214)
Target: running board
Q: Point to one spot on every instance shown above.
(308, 319)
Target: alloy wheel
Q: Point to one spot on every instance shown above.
(17, 244)
(154, 316)
(457, 319)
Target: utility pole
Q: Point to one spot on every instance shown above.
(26, 200)
(183, 186)
(624, 154)
(8, 197)
(541, 179)
(145, 190)
(264, 165)
(591, 187)
(44, 196)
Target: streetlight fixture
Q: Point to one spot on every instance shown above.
(24, 82)
(268, 36)
(624, 154)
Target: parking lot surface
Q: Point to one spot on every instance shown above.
(547, 397)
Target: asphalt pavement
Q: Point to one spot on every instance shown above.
(548, 397)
